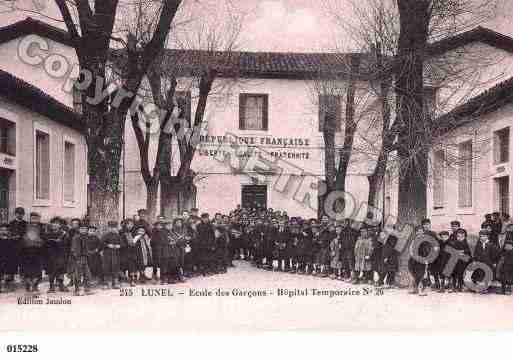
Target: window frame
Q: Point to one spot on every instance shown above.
(497, 150)
(265, 110)
(471, 206)
(70, 140)
(443, 184)
(11, 124)
(42, 202)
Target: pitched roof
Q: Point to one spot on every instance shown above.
(478, 34)
(30, 96)
(484, 103)
(267, 64)
(31, 26)
(263, 64)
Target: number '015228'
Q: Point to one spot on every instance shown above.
(22, 348)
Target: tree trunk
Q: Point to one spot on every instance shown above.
(152, 190)
(176, 195)
(104, 206)
(414, 27)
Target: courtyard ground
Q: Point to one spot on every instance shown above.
(248, 299)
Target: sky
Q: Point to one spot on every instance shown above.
(270, 25)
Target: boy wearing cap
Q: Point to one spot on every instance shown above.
(79, 256)
(505, 265)
(17, 229)
(32, 253)
(57, 248)
(156, 242)
(485, 252)
(94, 260)
(206, 245)
(111, 242)
(437, 267)
(335, 252)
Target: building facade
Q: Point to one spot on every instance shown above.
(261, 141)
(42, 144)
(471, 173)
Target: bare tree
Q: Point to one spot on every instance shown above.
(91, 27)
(374, 28)
(203, 65)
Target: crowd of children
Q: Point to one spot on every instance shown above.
(197, 245)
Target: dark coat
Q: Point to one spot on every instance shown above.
(462, 246)
(347, 244)
(111, 243)
(57, 248)
(390, 255)
(206, 238)
(486, 253)
(9, 251)
(505, 267)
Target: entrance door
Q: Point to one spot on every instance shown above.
(502, 185)
(4, 194)
(254, 196)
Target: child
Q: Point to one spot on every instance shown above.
(419, 269)
(57, 248)
(316, 249)
(335, 253)
(79, 256)
(94, 259)
(156, 240)
(461, 245)
(485, 252)
(111, 258)
(438, 266)
(169, 256)
(32, 254)
(126, 232)
(505, 266)
(8, 258)
(347, 244)
(362, 252)
(390, 259)
(144, 253)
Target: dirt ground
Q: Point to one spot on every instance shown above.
(247, 299)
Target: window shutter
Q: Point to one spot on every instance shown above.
(242, 101)
(265, 113)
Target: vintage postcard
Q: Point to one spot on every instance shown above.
(255, 166)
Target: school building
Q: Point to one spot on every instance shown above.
(471, 172)
(262, 140)
(42, 143)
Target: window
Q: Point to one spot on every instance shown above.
(501, 146)
(69, 172)
(330, 109)
(253, 112)
(183, 99)
(465, 175)
(502, 190)
(438, 179)
(7, 137)
(42, 165)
